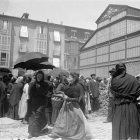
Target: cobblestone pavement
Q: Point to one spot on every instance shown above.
(14, 130)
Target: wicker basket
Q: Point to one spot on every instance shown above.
(57, 102)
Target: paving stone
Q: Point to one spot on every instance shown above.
(100, 130)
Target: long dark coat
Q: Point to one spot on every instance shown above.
(3, 98)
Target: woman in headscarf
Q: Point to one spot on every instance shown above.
(71, 123)
(125, 89)
(60, 88)
(23, 102)
(3, 98)
(38, 91)
(15, 97)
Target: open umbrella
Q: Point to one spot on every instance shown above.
(56, 71)
(30, 60)
(44, 65)
(5, 70)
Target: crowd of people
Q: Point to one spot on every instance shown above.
(64, 102)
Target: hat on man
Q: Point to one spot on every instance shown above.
(93, 75)
(112, 70)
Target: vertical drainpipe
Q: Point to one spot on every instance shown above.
(109, 47)
(126, 42)
(96, 54)
(48, 39)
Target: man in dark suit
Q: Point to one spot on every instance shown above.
(94, 92)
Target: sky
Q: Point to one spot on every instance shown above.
(76, 13)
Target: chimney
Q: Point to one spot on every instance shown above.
(61, 23)
(48, 20)
(25, 15)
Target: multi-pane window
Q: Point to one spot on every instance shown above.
(87, 58)
(41, 46)
(41, 32)
(102, 71)
(102, 54)
(132, 26)
(74, 48)
(118, 16)
(73, 33)
(103, 23)
(73, 62)
(5, 42)
(103, 35)
(5, 27)
(4, 58)
(117, 51)
(118, 29)
(133, 47)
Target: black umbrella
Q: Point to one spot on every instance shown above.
(44, 65)
(5, 70)
(56, 71)
(30, 60)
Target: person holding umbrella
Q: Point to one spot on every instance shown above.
(37, 102)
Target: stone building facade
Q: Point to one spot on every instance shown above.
(74, 40)
(117, 38)
(21, 35)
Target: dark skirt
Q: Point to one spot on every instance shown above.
(125, 123)
(48, 114)
(13, 112)
(3, 108)
(37, 121)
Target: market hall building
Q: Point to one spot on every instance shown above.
(117, 38)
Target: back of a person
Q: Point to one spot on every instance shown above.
(128, 85)
(126, 90)
(94, 88)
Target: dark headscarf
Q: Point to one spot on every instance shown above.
(120, 70)
(43, 76)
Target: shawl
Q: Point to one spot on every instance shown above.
(125, 87)
(2, 91)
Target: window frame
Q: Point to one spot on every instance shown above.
(73, 34)
(7, 59)
(87, 34)
(5, 21)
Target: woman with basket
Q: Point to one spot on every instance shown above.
(57, 99)
(71, 123)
